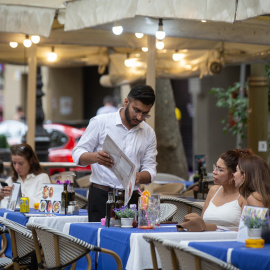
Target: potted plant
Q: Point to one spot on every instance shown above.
(126, 215)
(254, 224)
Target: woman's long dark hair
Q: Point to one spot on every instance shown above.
(257, 178)
(26, 151)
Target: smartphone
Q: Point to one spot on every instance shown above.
(4, 184)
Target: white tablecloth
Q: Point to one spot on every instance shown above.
(140, 255)
(58, 222)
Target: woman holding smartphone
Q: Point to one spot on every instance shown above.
(26, 170)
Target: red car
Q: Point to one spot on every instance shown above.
(63, 139)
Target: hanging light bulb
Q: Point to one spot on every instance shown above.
(160, 45)
(203, 21)
(13, 44)
(27, 42)
(129, 62)
(139, 35)
(144, 49)
(35, 39)
(117, 29)
(160, 34)
(52, 56)
(177, 56)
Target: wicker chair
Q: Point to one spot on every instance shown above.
(184, 207)
(167, 211)
(81, 200)
(164, 252)
(188, 258)
(4, 261)
(22, 244)
(61, 250)
(167, 177)
(83, 182)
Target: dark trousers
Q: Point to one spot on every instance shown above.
(97, 199)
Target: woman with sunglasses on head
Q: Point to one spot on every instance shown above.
(26, 170)
(252, 178)
(223, 205)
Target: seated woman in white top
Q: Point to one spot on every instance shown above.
(223, 205)
(26, 170)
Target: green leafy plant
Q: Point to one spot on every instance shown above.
(125, 212)
(237, 120)
(253, 221)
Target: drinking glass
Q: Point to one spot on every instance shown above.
(146, 212)
(157, 208)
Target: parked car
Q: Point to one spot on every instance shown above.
(63, 139)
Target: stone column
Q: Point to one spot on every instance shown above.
(258, 111)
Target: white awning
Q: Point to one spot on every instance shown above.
(27, 20)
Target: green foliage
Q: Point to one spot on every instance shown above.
(237, 120)
(3, 141)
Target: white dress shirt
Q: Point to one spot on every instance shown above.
(31, 187)
(138, 143)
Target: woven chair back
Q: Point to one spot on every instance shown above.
(184, 207)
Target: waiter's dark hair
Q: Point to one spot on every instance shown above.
(143, 93)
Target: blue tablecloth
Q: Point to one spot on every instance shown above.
(241, 257)
(22, 219)
(113, 238)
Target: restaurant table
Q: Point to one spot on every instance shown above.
(236, 253)
(57, 222)
(129, 243)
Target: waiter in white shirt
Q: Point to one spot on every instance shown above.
(127, 127)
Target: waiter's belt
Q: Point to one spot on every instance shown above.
(106, 188)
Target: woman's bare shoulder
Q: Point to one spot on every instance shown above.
(255, 199)
(242, 201)
(212, 191)
(214, 188)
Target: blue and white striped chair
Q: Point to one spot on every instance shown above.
(61, 250)
(4, 261)
(22, 244)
